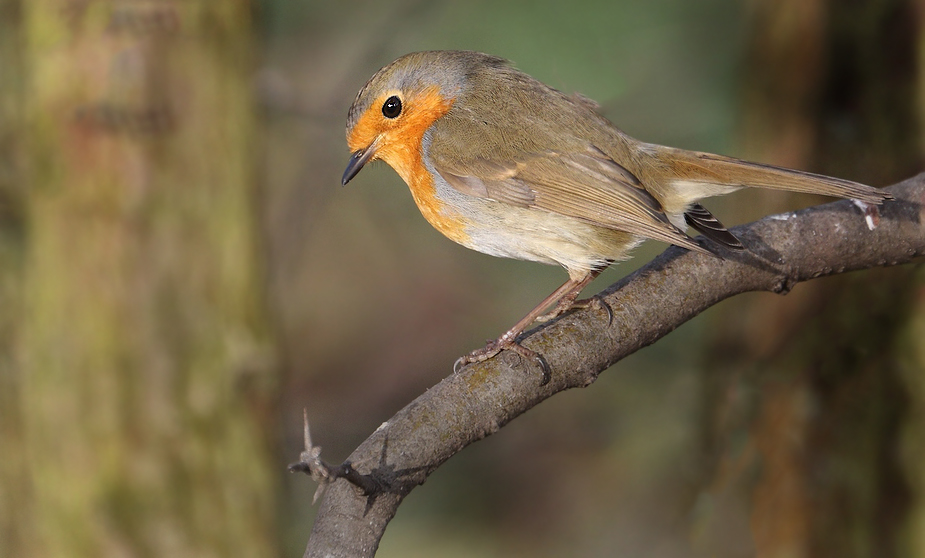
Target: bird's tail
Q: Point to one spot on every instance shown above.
(728, 173)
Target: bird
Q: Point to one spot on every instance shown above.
(503, 164)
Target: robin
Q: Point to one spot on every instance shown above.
(503, 164)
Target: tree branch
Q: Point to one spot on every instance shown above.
(647, 305)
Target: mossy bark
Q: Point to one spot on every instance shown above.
(144, 375)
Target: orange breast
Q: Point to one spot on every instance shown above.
(442, 217)
(400, 147)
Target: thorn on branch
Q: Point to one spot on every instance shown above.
(311, 464)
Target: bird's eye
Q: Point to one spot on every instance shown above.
(392, 107)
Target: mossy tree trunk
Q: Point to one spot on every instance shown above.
(14, 495)
(143, 368)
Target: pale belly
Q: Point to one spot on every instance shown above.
(524, 233)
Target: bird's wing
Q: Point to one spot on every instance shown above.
(586, 185)
(702, 220)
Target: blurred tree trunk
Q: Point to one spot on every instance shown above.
(827, 383)
(13, 492)
(143, 383)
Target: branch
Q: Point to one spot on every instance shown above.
(647, 305)
(311, 464)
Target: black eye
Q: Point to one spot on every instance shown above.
(392, 107)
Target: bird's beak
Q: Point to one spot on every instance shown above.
(357, 160)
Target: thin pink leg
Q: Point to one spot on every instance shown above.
(563, 298)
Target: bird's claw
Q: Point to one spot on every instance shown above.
(494, 347)
(598, 300)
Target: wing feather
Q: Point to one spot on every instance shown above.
(586, 185)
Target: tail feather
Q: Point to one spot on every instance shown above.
(736, 172)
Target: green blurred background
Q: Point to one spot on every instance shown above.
(182, 274)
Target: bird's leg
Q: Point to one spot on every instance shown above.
(567, 302)
(563, 298)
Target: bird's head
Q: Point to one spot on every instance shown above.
(401, 101)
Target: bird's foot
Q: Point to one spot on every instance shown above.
(595, 301)
(498, 345)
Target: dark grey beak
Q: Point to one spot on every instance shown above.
(356, 163)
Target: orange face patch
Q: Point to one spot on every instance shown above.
(398, 143)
